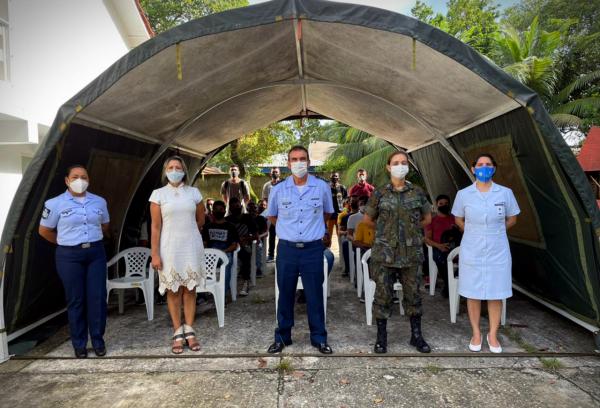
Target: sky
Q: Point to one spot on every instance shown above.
(404, 6)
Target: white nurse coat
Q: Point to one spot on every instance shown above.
(484, 262)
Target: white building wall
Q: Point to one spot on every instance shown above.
(56, 48)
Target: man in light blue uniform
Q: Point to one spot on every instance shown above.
(299, 207)
(76, 220)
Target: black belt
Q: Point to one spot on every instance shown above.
(301, 245)
(83, 245)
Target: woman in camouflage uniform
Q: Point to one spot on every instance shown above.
(399, 211)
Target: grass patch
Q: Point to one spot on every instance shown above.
(515, 336)
(285, 365)
(551, 363)
(258, 300)
(433, 369)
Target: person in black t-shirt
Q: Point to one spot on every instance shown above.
(262, 229)
(222, 235)
(246, 228)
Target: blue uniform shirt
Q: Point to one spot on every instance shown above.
(300, 214)
(75, 222)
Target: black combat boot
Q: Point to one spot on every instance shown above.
(416, 337)
(381, 343)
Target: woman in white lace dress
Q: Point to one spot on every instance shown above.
(177, 251)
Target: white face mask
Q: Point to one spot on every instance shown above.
(79, 185)
(175, 176)
(399, 171)
(362, 177)
(299, 169)
(361, 208)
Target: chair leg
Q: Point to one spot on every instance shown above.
(369, 297)
(400, 295)
(433, 272)
(220, 304)
(121, 293)
(148, 301)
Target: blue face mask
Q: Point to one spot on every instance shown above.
(175, 176)
(484, 174)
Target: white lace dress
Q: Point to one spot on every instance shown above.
(181, 249)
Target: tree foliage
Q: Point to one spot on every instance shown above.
(166, 14)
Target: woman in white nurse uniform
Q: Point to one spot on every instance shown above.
(485, 210)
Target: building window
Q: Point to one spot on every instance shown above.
(4, 54)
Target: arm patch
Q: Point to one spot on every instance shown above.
(46, 213)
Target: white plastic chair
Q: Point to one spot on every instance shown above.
(234, 275)
(370, 287)
(433, 271)
(215, 280)
(138, 274)
(359, 272)
(453, 295)
(264, 254)
(299, 286)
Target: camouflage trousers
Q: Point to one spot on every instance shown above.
(385, 277)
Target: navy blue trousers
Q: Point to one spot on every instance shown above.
(83, 274)
(307, 263)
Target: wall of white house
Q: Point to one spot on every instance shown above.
(54, 49)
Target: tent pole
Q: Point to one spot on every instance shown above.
(4, 356)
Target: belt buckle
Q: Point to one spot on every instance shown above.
(86, 245)
(299, 244)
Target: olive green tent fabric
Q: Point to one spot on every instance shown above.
(205, 83)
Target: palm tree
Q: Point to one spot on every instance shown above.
(530, 56)
(358, 149)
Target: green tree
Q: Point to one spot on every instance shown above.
(166, 14)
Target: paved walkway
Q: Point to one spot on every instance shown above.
(232, 368)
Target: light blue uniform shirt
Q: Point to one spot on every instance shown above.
(300, 215)
(75, 222)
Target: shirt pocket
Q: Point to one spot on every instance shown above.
(284, 208)
(315, 207)
(95, 216)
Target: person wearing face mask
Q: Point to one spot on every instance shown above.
(399, 211)
(235, 187)
(299, 208)
(177, 213)
(266, 191)
(439, 236)
(362, 188)
(221, 234)
(247, 232)
(77, 221)
(485, 211)
(209, 210)
(338, 195)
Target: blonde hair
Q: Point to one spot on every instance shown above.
(165, 180)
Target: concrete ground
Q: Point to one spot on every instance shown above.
(232, 369)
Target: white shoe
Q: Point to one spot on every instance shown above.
(475, 347)
(492, 348)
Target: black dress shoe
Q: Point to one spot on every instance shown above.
(81, 353)
(323, 348)
(100, 351)
(278, 347)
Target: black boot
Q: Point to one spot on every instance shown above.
(381, 343)
(416, 337)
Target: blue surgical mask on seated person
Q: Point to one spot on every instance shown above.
(299, 169)
(175, 176)
(484, 174)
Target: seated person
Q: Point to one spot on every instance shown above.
(354, 219)
(220, 234)
(443, 236)
(364, 236)
(262, 231)
(344, 232)
(246, 229)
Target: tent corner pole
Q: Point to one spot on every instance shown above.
(4, 356)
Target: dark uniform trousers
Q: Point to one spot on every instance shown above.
(83, 274)
(272, 235)
(306, 262)
(384, 278)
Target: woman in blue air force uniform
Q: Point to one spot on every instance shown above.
(77, 220)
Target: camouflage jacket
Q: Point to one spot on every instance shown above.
(398, 231)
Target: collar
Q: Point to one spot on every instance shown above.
(172, 187)
(407, 186)
(70, 196)
(310, 182)
(473, 188)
